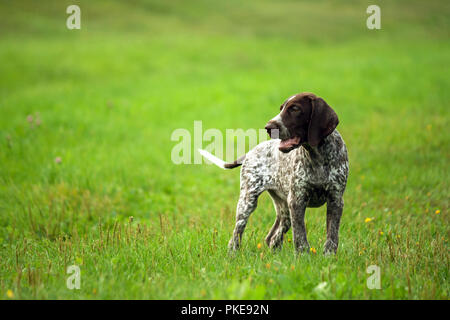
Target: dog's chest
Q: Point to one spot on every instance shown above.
(300, 169)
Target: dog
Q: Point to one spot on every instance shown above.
(303, 165)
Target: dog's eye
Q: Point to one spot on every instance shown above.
(295, 109)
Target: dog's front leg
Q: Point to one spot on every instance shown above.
(334, 213)
(297, 208)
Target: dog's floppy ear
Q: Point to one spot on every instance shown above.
(323, 121)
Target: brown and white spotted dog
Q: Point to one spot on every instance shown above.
(306, 167)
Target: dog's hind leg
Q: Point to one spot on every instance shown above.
(274, 238)
(272, 230)
(248, 200)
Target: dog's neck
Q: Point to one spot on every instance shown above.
(318, 154)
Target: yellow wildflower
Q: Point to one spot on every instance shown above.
(259, 246)
(437, 211)
(368, 220)
(10, 294)
(313, 250)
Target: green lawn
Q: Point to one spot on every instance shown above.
(105, 99)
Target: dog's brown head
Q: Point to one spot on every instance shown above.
(304, 118)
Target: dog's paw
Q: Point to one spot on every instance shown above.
(233, 245)
(330, 248)
(303, 248)
(276, 243)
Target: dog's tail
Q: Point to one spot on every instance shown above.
(220, 163)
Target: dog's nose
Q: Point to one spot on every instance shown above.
(271, 125)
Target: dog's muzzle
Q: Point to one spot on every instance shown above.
(273, 129)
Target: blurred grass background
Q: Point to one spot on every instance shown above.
(105, 100)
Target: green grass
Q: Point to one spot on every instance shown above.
(109, 96)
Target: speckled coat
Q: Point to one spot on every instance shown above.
(305, 177)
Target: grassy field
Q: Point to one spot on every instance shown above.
(86, 176)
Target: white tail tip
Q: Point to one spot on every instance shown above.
(218, 162)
